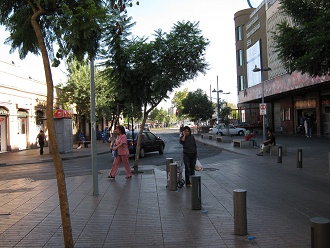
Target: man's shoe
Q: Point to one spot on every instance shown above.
(79, 147)
(188, 185)
(260, 154)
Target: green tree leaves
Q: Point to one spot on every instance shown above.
(197, 106)
(302, 40)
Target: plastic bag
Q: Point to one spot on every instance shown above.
(198, 166)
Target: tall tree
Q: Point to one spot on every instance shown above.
(34, 26)
(197, 106)
(303, 41)
(147, 71)
(178, 97)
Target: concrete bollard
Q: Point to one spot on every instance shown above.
(320, 229)
(168, 162)
(299, 158)
(240, 218)
(196, 194)
(173, 177)
(279, 154)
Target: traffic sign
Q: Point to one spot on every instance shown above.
(263, 108)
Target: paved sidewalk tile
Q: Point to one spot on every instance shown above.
(143, 212)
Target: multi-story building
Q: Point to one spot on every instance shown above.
(289, 97)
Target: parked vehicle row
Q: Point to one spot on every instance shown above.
(223, 129)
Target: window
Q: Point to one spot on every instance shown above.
(240, 57)
(239, 33)
(241, 82)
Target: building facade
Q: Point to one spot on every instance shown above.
(22, 108)
(289, 98)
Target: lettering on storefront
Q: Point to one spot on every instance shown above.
(308, 103)
(3, 111)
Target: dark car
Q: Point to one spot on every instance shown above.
(149, 143)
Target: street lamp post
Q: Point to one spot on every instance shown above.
(218, 102)
(256, 69)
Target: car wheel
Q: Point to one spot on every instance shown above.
(161, 149)
(241, 133)
(142, 153)
(221, 134)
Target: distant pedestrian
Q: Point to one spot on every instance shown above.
(81, 138)
(309, 127)
(121, 153)
(41, 140)
(306, 126)
(189, 153)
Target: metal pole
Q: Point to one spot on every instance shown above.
(263, 101)
(173, 176)
(320, 228)
(196, 194)
(240, 216)
(218, 118)
(299, 158)
(93, 132)
(279, 154)
(168, 162)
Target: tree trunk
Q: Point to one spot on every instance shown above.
(138, 144)
(61, 185)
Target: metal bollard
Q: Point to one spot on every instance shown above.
(279, 154)
(299, 158)
(240, 219)
(196, 194)
(173, 176)
(168, 162)
(329, 161)
(320, 228)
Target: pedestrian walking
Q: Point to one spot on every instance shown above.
(189, 153)
(121, 153)
(309, 127)
(41, 140)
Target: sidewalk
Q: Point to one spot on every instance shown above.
(142, 212)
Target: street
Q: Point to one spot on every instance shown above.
(83, 166)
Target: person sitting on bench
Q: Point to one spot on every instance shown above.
(81, 138)
(270, 141)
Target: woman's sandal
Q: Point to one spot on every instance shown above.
(111, 176)
(128, 177)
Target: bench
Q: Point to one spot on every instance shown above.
(224, 139)
(242, 143)
(274, 149)
(85, 143)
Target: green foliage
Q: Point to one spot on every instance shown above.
(302, 40)
(178, 97)
(197, 106)
(75, 26)
(146, 71)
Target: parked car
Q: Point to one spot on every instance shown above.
(149, 143)
(223, 130)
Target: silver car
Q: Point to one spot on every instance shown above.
(223, 130)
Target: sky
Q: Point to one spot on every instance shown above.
(216, 21)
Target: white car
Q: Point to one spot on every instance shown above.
(223, 130)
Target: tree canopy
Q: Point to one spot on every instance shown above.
(303, 40)
(146, 71)
(197, 106)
